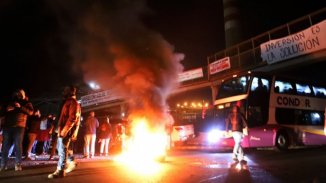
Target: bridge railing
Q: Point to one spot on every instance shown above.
(246, 55)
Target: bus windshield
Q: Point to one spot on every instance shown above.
(234, 86)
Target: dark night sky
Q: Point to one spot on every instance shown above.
(35, 34)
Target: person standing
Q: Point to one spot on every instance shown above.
(33, 127)
(43, 136)
(105, 134)
(16, 115)
(54, 137)
(238, 123)
(68, 126)
(90, 126)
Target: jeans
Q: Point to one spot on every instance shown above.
(31, 143)
(63, 145)
(53, 144)
(15, 135)
(105, 146)
(89, 144)
(237, 149)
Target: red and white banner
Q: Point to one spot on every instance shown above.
(219, 65)
(310, 40)
(191, 74)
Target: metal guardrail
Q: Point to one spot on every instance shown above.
(246, 55)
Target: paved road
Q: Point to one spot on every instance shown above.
(301, 165)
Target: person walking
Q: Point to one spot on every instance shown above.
(68, 126)
(238, 123)
(16, 115)
(105, 134)
(90, 126)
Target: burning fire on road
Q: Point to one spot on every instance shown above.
(144, 148)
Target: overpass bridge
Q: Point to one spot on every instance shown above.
(248, 55)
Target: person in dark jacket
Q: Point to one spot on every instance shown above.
(33, 127)
(104, 135)
(16, 115)
(68, 126)
(238, 123)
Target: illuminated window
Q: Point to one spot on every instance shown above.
(234, 86)
(303, 89)
(283, 87)
(319, 91)
(255, 84)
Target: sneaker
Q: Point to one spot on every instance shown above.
(85, 156)
(28, 158)
(235, 160)
(57, 174)
(51, 158)
(70, 166)
(3, 168)
(18, 167)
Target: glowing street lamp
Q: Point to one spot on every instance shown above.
(94, 86)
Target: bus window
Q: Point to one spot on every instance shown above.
(234, 86)
(319, 91)
(303, 89)
(298, 117)
(259, 84)
(283, 87)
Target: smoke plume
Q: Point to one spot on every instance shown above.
(114, 48)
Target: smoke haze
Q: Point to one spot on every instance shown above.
(113, 48)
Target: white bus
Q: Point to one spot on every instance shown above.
(281, 112)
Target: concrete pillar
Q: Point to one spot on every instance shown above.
(214, 89)
(232, 24)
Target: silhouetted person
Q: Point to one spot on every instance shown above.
(16, 115)
(68, 126)
(105, 134)
(238, 123)
(33, 127)
(90, 126)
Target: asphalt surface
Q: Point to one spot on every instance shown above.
(43, 160)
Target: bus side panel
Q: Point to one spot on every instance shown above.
(314, 138)
(261, 136)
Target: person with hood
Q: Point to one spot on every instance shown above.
(17, 112)
(68, 126)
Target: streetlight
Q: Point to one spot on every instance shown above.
(94, 85)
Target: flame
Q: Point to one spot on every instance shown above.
(144, 147)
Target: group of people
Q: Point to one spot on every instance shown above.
(65, 129)
(37, 132)
(14, 121)
(93, 129)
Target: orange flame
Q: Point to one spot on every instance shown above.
(145, 146)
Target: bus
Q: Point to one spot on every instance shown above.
(281, 112)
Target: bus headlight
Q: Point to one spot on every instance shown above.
(214, 135)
